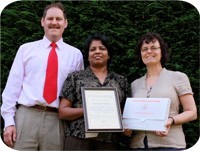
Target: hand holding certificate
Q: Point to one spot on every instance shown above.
(148, 114)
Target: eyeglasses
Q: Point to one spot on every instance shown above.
(145, 49)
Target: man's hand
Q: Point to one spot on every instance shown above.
(9, 135)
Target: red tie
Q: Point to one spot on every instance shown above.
(50, 85)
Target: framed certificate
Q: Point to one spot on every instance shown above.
(102, 111)
(149, 114)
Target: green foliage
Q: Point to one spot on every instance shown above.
(123, 22)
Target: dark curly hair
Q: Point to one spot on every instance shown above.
(105, 41)
(151, 37)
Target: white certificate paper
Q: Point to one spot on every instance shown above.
(101, 110)
(148, 114)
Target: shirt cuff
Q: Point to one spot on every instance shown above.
(9, 121)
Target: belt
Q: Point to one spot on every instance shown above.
(45, 108)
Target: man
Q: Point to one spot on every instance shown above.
(34, 124)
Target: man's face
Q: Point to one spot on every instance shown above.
(54, 24)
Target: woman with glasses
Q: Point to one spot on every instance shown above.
(158, 82)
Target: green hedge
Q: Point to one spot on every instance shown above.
(123, 22)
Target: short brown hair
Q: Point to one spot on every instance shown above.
(57, 5)
(151, 37)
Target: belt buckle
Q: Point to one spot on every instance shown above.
(45, 108)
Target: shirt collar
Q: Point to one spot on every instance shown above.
(162, 72)
(90, 73)
(47, 42)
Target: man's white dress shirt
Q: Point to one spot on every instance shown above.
(27, 75)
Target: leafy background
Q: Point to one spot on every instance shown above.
(123, 21)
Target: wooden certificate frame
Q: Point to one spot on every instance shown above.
(102, 111)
